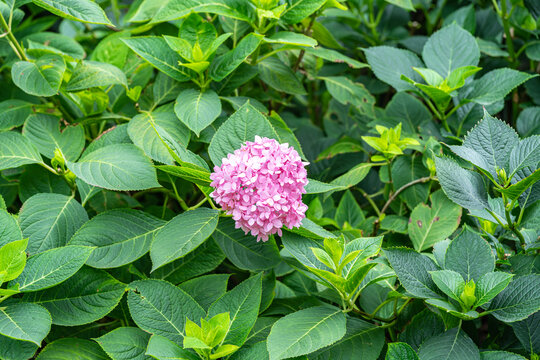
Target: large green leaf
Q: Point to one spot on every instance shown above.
(413, 270)
(525, 154)
(242, 250)
(11, 349)
(242, 126)
(389, 63)
(14, 113)
(120, 236)
(225, 64)
(348, 92)
(49, 221)
(205, 290)
(490, 285)
(156, 51)
(464, 187)
(470, 255)
(161, 308)
(40, 78)
(81, 10)
(51, 267)
(428, 226)
(496, 84)
(279, 76)
(197, 109)
(453, 344)
(44, 132)
(28, 322)
(242, 303)
(528, 332)
(450, 48)
(298, 10)
(125, 343)
(116, 167)
(89, 74)
(85, 297)
(500, 355)
(72, 348)
(519, 300)
(305, 331)
(162, 348)
(16, 150)
(182, 235)
(176, 9)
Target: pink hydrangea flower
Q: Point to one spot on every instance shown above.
(261, 186)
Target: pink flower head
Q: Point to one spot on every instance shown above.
(261, 186)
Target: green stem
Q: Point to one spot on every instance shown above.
(12, 40)
(370, 200)
(181, 201)
(506, 25)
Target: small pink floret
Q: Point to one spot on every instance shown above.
(261, 186)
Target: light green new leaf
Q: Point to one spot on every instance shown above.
(81, 10)
(120, 167)
(490, 285)
(496, 84)
(125, 343)
(519, 300)
(156, 51)
(85, 297)
(51, 267)
(40, 78)
(450, 48)
(13, 259)
(182, 235)
(89, 74)
(24, 321)
(242, 303)
(49, 221)
(225, 64)
(305, 331)
(43, 131)
(427, 226)
(242, 126)
(160, 308)
(197, 109)
(16, 150)
(120, 236)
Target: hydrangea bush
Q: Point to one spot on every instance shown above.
(269, 179)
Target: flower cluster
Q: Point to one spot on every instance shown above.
(261, 186)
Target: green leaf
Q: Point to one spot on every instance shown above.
(81, 10)
(450, 282)
(409, 111)
(173, 10)
(528, 332)
(242, 250)
(10, 230)
(291, 38)
(89, 74)
(120, 236)
(28, 322)
(361, 338)
(470, 255)
(44, 132)
(59, 44)
(120, 167)
(500, 355)
(125, 343)
(489, 144)
(450, 48)
(280, 77)
(348, 211)
(298, 10)
(16, 150)
(400, 351)
(242, 303)
(161, 308)
(51, 267)
(428, 226)
(406, 169)
(519, 300)
(453, 344)
(87, 296)
(490, 285)
(14, 113)
(40, 78)
(71, 348)
(305, 331)
(242, 126)
(496, 84)
(353, 176)
(182, 235)
(196, 176)
(413, 270)
(163, 349)
(49, 221)
(36, 179)
(525, 154)
(335, 56)
(389, 63)
(464, 187)
(527, 123)
(156, 51)
(347, 92)
(225, 64)
(206, 289)
(11, 349)
(197, 109)
(13, 259)
(318, 187)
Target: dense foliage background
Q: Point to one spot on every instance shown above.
(421, 123)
